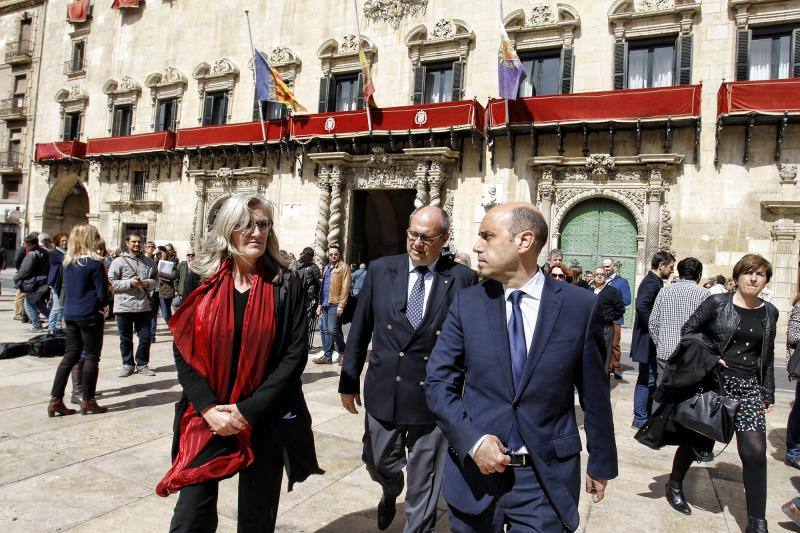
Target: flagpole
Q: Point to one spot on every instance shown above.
(366, 102)
(253, 48)
(500, 3)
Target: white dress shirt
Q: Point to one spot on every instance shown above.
(412, 279)
(529, 304)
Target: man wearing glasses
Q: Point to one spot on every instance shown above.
(401, 308)
(609, 301)
(334, 292)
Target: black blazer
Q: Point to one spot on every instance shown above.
(276, 409)
(612, 308)
(642, 346)
(394, 384)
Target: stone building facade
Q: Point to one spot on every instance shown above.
(636, 156)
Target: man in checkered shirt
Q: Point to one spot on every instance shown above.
(674, 305)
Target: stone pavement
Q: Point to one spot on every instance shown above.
(98, 473)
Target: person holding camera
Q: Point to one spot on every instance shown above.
(133, 278)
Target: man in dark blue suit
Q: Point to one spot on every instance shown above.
(643, 350)
(401, 308)
(501, 380)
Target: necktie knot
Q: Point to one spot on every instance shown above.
(516, 297)
(422, 270)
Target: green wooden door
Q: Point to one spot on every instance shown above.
(600, 228)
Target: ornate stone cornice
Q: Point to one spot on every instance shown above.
(393, 12)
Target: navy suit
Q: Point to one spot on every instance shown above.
(643, 350)
(470, 390)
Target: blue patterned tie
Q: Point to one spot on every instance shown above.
(519, 354)
(416, 299)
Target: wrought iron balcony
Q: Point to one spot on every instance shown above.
(74, 67)
(12, 109)
(18, 52)
(138, 193)
(9, 161)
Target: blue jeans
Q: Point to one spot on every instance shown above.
(645, 388)
(56, 312)
(166, 308)
(34, 306)
(154, 316)
(793, 427)
(126, 324)
(330, 328)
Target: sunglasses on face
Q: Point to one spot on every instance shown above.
(427, 239)
(262, 225)
(558, 276)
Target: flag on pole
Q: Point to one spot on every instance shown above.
(509, 68)
(369, 87)
(270, 87)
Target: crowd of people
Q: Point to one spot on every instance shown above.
(458, 362)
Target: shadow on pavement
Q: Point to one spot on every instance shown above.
(778, 441)
(140, 387)
(151, 400)
(312, 378)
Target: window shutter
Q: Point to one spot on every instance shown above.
(419, 84)
(65, 136)
(208, 110)
(458, 79)
(620, 62)
(324, 92)
(796, 53)
(566, 70)
(223, 115)
(256, 103)
(743, 54)
(117, 125)
(360, 93)
(684, 63)
(173, 117)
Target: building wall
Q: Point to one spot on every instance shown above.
(716, 212)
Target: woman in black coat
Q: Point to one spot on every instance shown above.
(742, 326)
(240, 350)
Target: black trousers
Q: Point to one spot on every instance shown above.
(81, 336)
(259, 491)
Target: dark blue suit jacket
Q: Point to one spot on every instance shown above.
(470, 390)
(393, 387)
(642, 347)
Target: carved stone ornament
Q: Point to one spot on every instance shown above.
(349, 44)
(665, 242)
(546, 193)
(543, 13)
(171, 75)
(787, 172)
(636, 196)
(600, 164)
(127, 84)
(444, 29)
(576, 175)
(279, 55)
(75, 93)
(222, 66)
(393, 11)
(648, 6)
(626, 176)
(489, 199)
(563, 196)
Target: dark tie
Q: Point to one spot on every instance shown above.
(416, 299)
(519, 353)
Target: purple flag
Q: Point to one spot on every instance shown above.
(509, 68)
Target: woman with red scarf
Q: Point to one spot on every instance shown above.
(240, 349)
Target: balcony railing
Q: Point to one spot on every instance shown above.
(74, 66)
(18, 52)
(9, 160)
(138, 193)
(12, 108)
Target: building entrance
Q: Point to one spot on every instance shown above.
(379, 222)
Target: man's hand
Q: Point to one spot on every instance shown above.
(491, 456)
(136, 282)
(221, 423)
(596, 487)
(767, 408)
(339, 311)
(235, 414)
(349, 402)
(319, 310)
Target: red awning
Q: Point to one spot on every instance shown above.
(230, 134)
(77, 10)
(119, 4)
(131, 144)
(764, 97)
(462, 115)
(60, 151)
(677, 102)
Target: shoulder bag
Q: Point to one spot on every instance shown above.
(709, 413)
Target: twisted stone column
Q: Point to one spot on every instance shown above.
(653, 222)
(323, 212)
(435, 180)
(546, 194)
(422, 185)
(335, 220)
(199, 215)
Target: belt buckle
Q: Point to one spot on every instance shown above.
(517, 460)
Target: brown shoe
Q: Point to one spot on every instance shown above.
(322, 360)
(90, 406)
(56, 406)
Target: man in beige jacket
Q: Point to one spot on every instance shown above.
(334, 291)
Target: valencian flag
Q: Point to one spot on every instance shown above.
(509, 68)
(369, 87)
(270, 87)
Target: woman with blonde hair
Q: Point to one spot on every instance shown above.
(85, 293)
(240, 349)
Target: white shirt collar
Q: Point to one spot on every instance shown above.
(412, 265)
(532, 288)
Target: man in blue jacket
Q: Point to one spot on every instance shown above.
(501, 380)
(624, 288)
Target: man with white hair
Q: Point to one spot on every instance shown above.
(463, 258)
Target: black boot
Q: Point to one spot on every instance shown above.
(676, 498)
(77, 382)
(756, 525)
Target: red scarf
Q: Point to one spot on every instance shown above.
(203, 330)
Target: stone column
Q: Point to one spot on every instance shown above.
(435, 180)
(323, 212)
(547, 194)
(199, 213)
(784, 267)
(335, 220)
(654, 195)
(420, 175)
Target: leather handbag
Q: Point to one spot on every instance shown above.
(793, 366)
(709, 413)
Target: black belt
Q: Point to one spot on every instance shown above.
(520, 459)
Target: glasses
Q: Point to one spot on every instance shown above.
(558, 276)
(427, 239)
(189, 255)
(263, 226)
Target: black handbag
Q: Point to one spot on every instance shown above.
(793, 366)
(709, 413)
